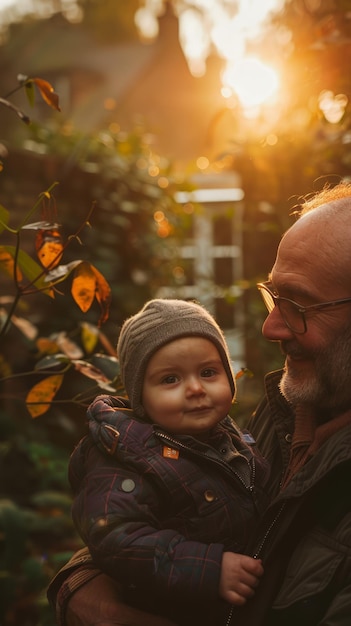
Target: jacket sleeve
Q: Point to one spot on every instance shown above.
(117, 510)
(339, 611)
(316, 587)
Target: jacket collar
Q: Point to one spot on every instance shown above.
(334, 452)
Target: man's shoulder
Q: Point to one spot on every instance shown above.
(273, 408)
(271, 424)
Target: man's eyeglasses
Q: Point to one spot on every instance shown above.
(292, 313)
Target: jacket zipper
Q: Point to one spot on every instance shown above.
(225, 466)
(268, 531)
(232, 471)
(259, 550)
(229, 619)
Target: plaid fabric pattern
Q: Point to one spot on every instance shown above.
(159, 523)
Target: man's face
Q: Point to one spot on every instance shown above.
(318, 363)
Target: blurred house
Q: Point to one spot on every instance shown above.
(122, 84)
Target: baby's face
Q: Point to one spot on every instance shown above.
(186, 389)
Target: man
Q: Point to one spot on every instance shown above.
(303, 427)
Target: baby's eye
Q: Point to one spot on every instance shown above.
(208, 372)
(169, 380)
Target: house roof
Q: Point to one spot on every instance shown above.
(149, 82)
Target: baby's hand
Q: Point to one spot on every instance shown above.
(240, 575)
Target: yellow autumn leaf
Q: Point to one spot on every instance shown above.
(90, 336)
(7, 264)
(84, 286)
(39, 398)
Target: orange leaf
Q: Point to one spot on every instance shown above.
(47, 92)
(41, 395)
(49, 247)
(46, 345)
(244, 371)
(7, 265)
(103, 295)
(83, 286)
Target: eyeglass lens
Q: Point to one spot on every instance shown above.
(289, 311)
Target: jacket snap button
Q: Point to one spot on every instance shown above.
(209, 495)
(128, 485)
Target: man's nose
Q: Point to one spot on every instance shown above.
(274, 328)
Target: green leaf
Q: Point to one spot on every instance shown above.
(52, 499)
(109, 365)
(49, 362)
(4, 218)
(30, 92)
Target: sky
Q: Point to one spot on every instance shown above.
(203, 24)
(21, 6)
(226, 26)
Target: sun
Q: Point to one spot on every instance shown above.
(252, 81)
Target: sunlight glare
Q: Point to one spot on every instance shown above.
(225, 27)
(194, 40)
(333, 107)
(251, 80)
(146, 23)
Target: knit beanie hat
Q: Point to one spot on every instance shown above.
(159, 322)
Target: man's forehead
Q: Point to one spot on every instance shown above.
(301, 232)
(326, 229)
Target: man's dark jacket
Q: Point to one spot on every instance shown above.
(304, 538)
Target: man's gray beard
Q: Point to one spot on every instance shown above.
(330, 387)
